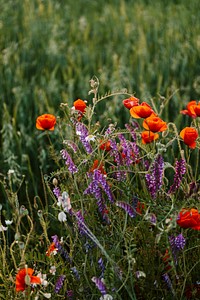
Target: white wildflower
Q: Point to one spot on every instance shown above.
(8, 222)
(62, 217)
(3, 228)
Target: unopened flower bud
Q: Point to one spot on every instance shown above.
(55, 182)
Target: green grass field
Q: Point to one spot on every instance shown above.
(51, 49)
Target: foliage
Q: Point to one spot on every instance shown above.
(109, 226)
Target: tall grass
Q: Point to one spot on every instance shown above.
(50, 49)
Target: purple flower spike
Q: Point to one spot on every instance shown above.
(82, 132)
(177, 244)
(100, 285)
(128, 208)
(68, 161)
(168, 282)
(70, 295)
(99, 180)
(154, 177)
(180, 169)
(59, 284)
(57, 192)
(101, 266)
(61, 250)
(76, 273)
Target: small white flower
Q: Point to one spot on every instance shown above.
(140, 274)
(43, 277)
(90, 138)
(52, 270)
(59, 203)
(3, 228)
(62, 217)
(8, 222)
(106, 297)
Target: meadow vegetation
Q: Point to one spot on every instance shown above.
(97, 208)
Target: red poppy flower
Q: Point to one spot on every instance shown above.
(52, 249)
(189, 218)
(24, 278)
(149, 136)
(193, 109)
(105, 145)
(46, 122)
(154, 124)
(143, 110)
(80, 105)
(140, 208)
(197, 109)
(189, 136)
(130, 102)
(98, 166)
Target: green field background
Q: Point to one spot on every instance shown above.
(50, 49)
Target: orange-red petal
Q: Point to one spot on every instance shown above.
(143, 110)
(80, 105)
(149, 136)
(46, 122)
(154, 124)
(189, 136)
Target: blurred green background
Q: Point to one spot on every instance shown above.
(50, 49)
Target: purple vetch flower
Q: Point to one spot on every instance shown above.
(114, 152)
(180, 169)
(75, 272)
(135, 202)
(146, 164)
(153, 219)
(129, 150)
(128, 208)
(154, 177)
(70, 295)
(57, 192)
(101, 266)
(82, 132)
(177, 244)
(119, 174)
(131, 129)
(59, 283)
(168, 282)
(81, 223)
(99, 180)
(100, 285)
(71, 144)
(109, 130)
(60, 249)
(68, 161)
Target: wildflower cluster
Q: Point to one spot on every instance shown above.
(119, 218)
